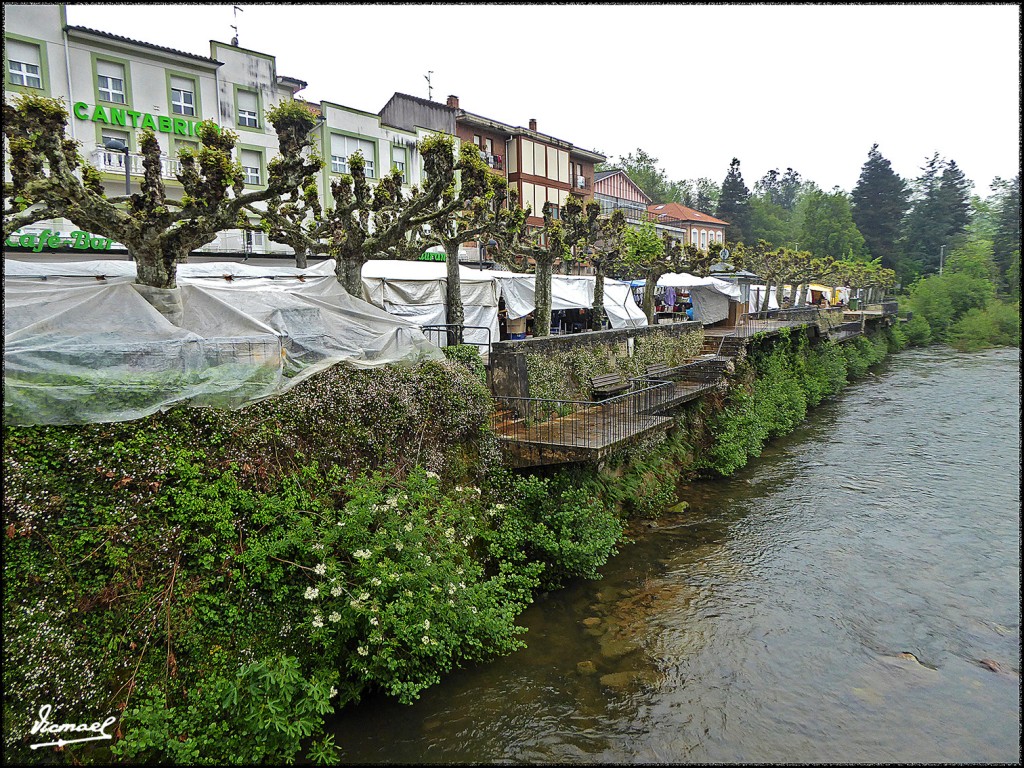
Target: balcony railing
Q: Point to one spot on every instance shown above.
(581, 182)
(113, 162)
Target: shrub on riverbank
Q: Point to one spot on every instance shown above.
(782, 378)
(223, 580)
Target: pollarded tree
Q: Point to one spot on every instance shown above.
(483, 208)
(647, 255)
(365, 221)
(547, 247)
(158, 231)
(768, 264)
(598, 241)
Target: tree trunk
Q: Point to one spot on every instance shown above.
(155, 268)
(597, 315)
(349, 271)
(798, 300)
(300, 258)
(765, 301)
(542, 298)
(453, 294)
(648, 307)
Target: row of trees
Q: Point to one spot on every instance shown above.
(907, 224)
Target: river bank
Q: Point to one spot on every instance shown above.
(765, 622)
(319, 550)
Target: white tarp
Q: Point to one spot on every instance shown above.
(710, 295)
(83, 345)
(571, 292)
(417, 291)
(757, 298)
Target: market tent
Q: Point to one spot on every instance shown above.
(417, 291)
(710, 295)
(83, 345)
(570, 292)
(757, 298)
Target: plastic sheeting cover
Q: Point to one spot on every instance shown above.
(80, 349)
(571, 292)
(417, 292)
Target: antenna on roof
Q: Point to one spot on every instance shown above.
(430, 88)
(234, 40)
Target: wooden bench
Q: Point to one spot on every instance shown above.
(608, 384)
(659, 371)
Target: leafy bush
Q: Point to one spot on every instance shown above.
(566, 530)
(997, 325)
(917, 331)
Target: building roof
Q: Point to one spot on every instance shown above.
(680, 212)
(486, 122)
(120, 38)
(602, 175)
(420, 100)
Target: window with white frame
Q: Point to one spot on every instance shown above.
(343, 146)
(183, 97)
(703, 239)
(398, 161)
(248, 109)
(250, 160)
(110, 82)
(23, 67)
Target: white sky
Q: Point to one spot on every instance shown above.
(810, 87)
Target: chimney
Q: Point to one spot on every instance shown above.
(453, 102)
(533, 124)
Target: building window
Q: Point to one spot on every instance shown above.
(476, 140)
(183, 97)
(248, 109)
(398, 162)
(23, 66)
(110, 82)
(489, 146)
(250, 160)
(343, 146)
(703, 239)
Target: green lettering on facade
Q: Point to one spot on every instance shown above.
(99, 115)
(117, 116)
(164, 124)
(148, 122)
(81, 110)
(135, 118)
(181, 126)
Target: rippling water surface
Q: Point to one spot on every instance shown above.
(767, 622)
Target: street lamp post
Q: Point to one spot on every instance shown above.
(483, 250)
(942, 253)
(116, 145)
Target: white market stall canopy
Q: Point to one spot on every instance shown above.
(83, 345)
(710, 295)
(571, 292)
(417, 291)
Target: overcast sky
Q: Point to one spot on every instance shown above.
(810, 87)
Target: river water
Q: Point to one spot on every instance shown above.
(766, 623)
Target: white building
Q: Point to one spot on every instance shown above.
(114, 87)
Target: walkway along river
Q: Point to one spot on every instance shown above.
(766, 623)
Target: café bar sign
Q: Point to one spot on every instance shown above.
(78, 240)
(129, 118)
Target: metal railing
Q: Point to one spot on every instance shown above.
(580, 423)
(113, 162)
(448, 334)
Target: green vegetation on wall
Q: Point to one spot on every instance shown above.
(567, 375)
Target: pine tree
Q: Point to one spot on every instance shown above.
(734, 204)
(879, 204)
(1006, 242)
(924, 233)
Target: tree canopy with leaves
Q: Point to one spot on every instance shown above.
(49, 179)
(879, 203)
